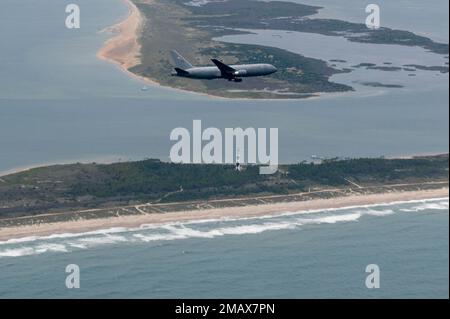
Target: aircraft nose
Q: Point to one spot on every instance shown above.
(274, 69)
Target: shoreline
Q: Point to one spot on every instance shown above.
(123, 50)
(126, 35)
(106, 159)
(251, 211)
(110, 160)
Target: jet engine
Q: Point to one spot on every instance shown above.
(240, 73)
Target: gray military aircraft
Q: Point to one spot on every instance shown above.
(221, 71)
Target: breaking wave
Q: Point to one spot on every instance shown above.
(210, 228)
(441, 205)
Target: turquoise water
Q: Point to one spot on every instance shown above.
(321, 254)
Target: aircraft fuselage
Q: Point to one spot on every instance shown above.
(213, 72)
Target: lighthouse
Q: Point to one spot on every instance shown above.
(238, 167)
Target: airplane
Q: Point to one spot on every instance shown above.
(221, 71)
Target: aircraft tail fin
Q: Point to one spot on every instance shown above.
(224, 68)
(179, 61)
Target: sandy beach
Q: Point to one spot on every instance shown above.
(80, 226)
(124, 51)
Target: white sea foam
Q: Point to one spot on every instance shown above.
(333, 219)
(77, 245)
(199, 3)
(66, 235)
(158, 237)
(369, 211)
(50, 247)
(369, 206)
(26, 251)
(20, 240)
(183, 232)
(441, 205)
(17, 252)
(101, 240)
(256, 229)
(359, 208)
(210, 227)
(374, 212)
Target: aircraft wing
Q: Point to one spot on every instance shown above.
(227, 71)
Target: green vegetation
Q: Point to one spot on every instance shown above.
(442, 69)
(77, 186)
(279, 15)
(296, 73)
(381, 85)
(241, 13)
(171, 24)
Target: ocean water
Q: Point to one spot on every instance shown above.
(400, 14)
(418, 16)
(60, 104)
(344, 54)
(312, 254)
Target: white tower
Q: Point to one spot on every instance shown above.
(238, 161)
